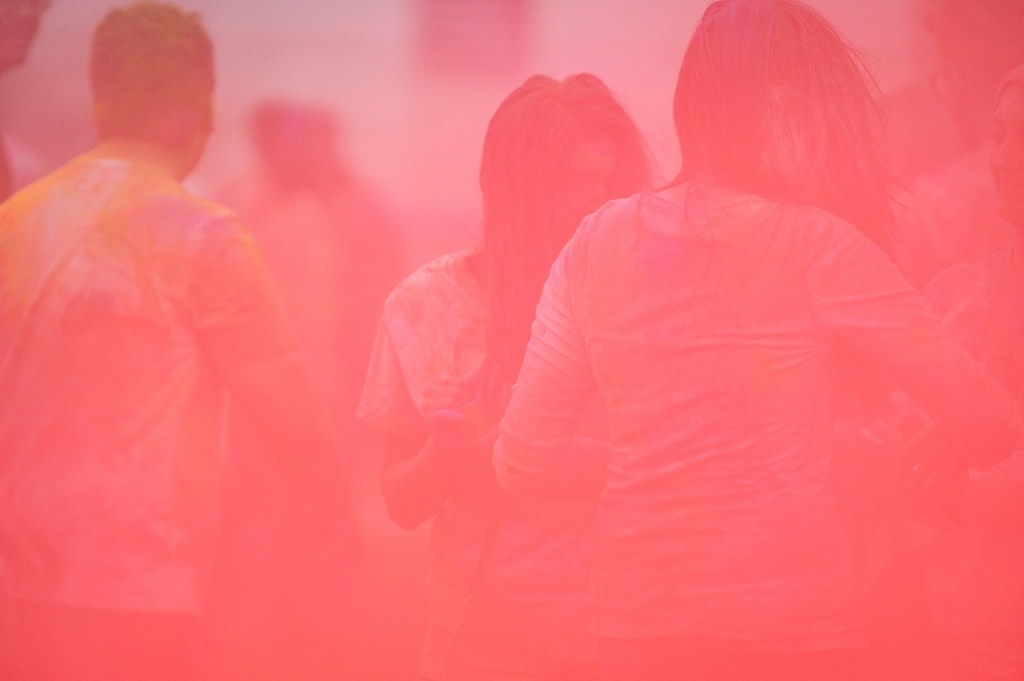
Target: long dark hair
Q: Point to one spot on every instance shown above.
(771, 100)
(531, 180)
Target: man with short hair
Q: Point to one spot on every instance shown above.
(130, 312)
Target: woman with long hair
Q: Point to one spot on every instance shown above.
(508, 576)
(722, 322)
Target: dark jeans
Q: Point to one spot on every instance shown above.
(672, 658)
(50, 642)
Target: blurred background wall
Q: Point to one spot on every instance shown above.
(415, 81)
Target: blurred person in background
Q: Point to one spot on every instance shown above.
(948, 213)
(19, 23)
(327, 238)
(508, 578)
(974, 585)
(131, 312)
(284, 604)
(724, 322)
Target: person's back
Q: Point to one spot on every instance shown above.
(716, 327)
(722, 386)
(129, 312)
(109, 394)
(713, 319)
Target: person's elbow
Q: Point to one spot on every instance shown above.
(514, 476)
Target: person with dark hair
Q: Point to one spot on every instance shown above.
(508, 578)
(974, 585)
(19, 23)
(723, 322)
(130, 313)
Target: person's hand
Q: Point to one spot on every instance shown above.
(462, 431)
(455, 416)
(448, 430)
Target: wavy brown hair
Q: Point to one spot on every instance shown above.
(771, 100)
(535, 193)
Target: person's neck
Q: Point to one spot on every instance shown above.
(139, 151)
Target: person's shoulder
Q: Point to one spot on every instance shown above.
(811, 219)
(616, 212)
(150, 198)
(43, 188)
(209, 216)
(815, 232)
(442, 279)
(199, 223)
(441, 269)
(609, 225)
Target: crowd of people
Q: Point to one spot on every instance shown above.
(762, 422)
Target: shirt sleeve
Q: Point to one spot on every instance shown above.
(385, 402)
(859, 295)
(233, 303)
(554, 386)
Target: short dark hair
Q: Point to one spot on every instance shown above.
(773, 101)
(146, 58)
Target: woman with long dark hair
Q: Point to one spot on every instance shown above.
(722, 322)
(508, 579)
